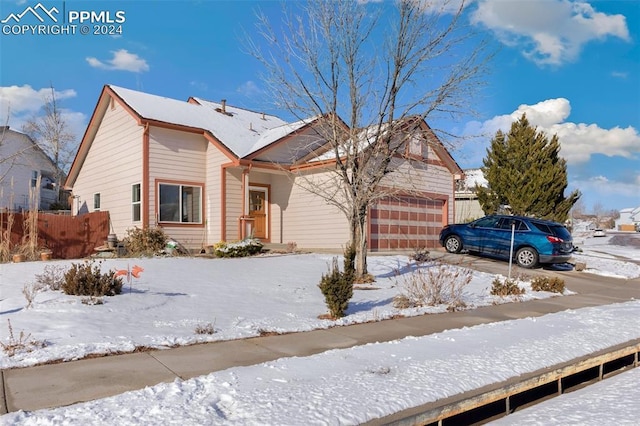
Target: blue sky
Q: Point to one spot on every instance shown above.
(572, 66)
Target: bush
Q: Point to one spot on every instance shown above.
(86, 280)
(337, 288)
(508, 287)
(554, 285)
(244, 248)
(145, 242)
(436, 284)
(52, 277)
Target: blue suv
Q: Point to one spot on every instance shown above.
(535, 241)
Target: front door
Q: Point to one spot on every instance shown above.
(258, 211)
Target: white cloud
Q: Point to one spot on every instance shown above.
(19, 100)
(249, 89)
(122, 60)
(578, 141)
(550, 32)
(601, 186)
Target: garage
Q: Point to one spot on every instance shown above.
(405, 223)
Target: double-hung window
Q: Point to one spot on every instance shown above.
(136, 202)
(96, 201)
(180, 203)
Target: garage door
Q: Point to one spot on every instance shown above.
(401, 223)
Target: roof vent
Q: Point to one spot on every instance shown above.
(223, 108)
(263, 117)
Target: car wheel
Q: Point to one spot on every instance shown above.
(527, 257)
(453, 244)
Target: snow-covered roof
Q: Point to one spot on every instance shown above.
(473, 177)
(240, 130)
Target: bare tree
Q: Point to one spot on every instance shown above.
(52, 134)
(327, 61)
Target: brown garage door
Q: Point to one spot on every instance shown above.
(404, 222)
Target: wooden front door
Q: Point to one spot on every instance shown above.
(258, 211)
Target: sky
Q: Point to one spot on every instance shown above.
(572, 66)
(244, 297)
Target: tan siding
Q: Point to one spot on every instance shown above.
(311, 222)
(181, 157)
(234, 202)
(213, 199)
(112, 165)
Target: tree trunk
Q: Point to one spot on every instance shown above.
(358, 228)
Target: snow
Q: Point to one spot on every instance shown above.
(244, 297)
(238, 130)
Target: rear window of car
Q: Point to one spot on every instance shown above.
(556, 230)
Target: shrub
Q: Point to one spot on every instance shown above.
(246, 247)
(145, 242)
(52, 277)
(554, 285)
(436, 284)
(208, 328)
(337, 288)
(30, 292)
(86, 280)
(508, 287)
(22, 343)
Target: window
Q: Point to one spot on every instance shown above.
(34, 178)
(180, 203)
(135, 202)
(487, 222)
(96, 201)
(415, 147)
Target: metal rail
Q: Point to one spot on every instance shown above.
(498, 400)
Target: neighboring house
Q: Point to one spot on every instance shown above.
(207, 172)
(23, 165)
(467, 205)
(629, 219)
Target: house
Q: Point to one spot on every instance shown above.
(629, 219)
(26, 173)
(467, 205)
(207, 172)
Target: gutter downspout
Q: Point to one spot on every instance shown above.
(145, 177)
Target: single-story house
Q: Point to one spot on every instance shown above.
(207, 172)
(629, 219)
(24, 166)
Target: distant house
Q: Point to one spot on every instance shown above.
(629, 219)
(207, 172)
(24, 166)
(467, 205)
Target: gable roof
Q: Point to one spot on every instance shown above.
(240, 133)
(238, 129)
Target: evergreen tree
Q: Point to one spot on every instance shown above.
(523, 170)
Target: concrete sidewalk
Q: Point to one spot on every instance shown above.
(67, 383)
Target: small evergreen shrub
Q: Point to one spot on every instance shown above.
(145, 242)
(554, 285)
(86, 279)
(244, 248)
(337, 288)
(508, 287)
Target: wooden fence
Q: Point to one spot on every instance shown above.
(68, 237)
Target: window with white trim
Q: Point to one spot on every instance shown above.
(96, 201)
(180, 203)
(34, 178)
(136, 202)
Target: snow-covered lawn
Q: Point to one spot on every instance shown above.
(246, 297)
(239, 298)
